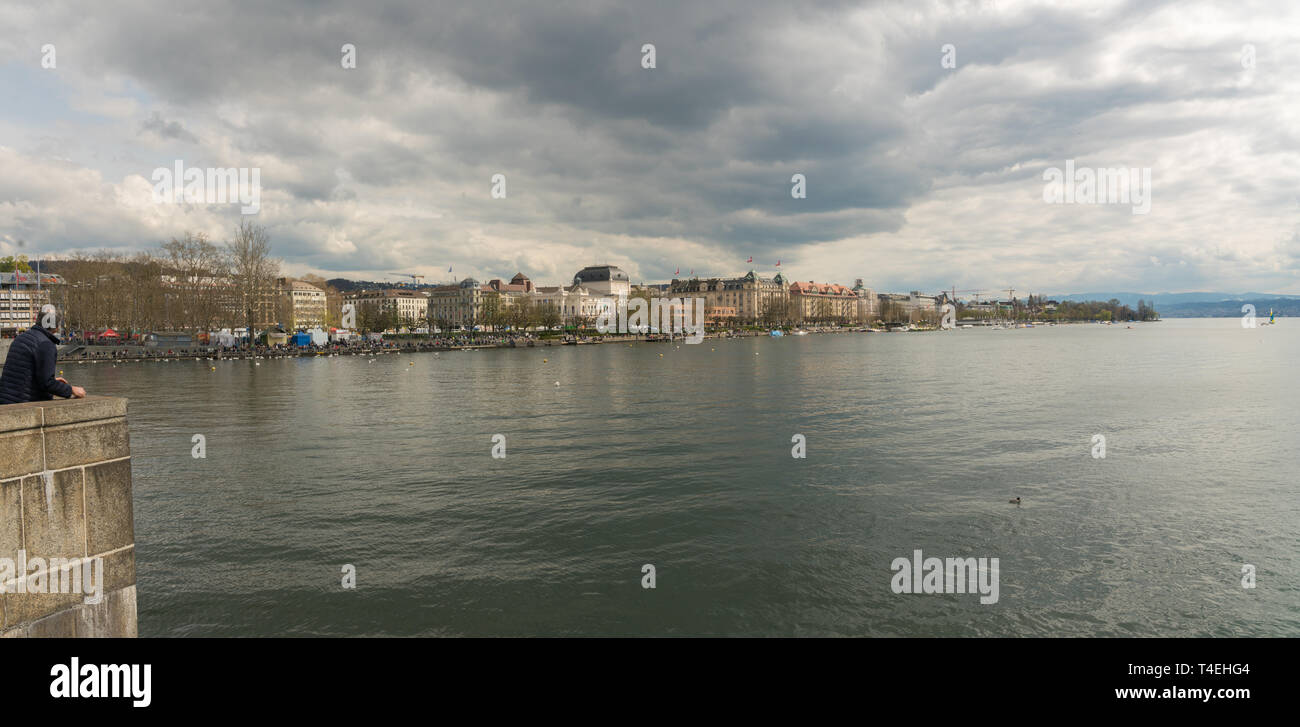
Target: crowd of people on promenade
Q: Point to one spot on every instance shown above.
(355, 346)
(124, 351)
(29, 369)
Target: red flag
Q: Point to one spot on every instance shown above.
(778, 263)
(678, 271)
(751, 259)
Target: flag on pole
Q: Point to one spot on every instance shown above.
(449, 268)
(751, 259)
(678, 271)
(778, 263)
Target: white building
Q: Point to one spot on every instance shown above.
(604, 280)
(412, 307)
(573, 302)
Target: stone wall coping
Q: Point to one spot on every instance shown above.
(35, 414)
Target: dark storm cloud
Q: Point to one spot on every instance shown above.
(580, 58)
(701, 148)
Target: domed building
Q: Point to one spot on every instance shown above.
(519, 284)
(604, 280)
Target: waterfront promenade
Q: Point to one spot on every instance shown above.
(72, 353)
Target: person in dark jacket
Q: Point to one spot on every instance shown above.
(29, 370)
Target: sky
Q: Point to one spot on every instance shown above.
(923, 131)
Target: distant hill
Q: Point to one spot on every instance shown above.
(344, 285)
(1289, 307)
(1199, 305)
(1162, 300)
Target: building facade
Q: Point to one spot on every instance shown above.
(604, 280)
(411, 307)
(21, 298)
(813, 302)
(520, 285)
(305, 307)
(924, 307)
(911, 307)
(751, 296)
(575, 303)
(868, 306)
(457, 305)
(720, 315)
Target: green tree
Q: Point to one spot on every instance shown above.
(14, 264)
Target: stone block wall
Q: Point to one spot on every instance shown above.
(65, 492)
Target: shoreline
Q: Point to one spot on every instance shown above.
(210, 354)
(204, 354)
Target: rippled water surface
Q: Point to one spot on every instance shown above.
(913, 441)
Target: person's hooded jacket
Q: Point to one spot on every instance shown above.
(29, 371)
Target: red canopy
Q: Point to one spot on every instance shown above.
(108, 333)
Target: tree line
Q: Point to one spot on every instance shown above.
(187, 283)
(1035, 309)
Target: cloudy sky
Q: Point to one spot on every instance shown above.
(919, 176)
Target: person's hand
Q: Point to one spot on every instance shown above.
(78, 392)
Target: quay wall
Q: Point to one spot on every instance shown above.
(65, 492)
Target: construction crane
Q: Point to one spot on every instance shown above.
(1011, 300)
(415, 279)
(977, 293)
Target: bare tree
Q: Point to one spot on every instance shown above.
(142, 285)
(253, 272)
(195, 281)
(520, 315)
(549, 315)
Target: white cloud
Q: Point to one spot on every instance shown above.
(919, 176)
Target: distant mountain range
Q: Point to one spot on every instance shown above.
(1200, 305)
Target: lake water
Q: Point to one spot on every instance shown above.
(914, 441)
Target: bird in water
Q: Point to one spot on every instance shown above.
(1015, 501)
